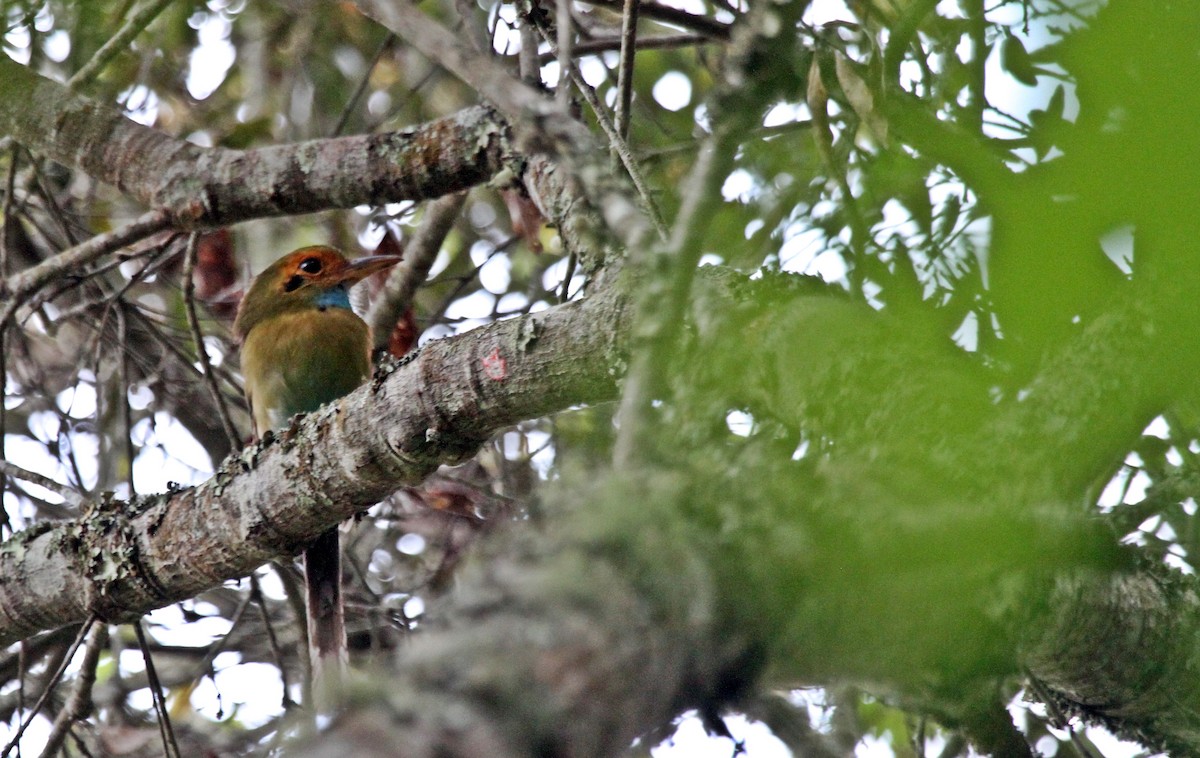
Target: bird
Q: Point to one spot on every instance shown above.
(303, 346)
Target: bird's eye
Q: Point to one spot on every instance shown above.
(311, 265)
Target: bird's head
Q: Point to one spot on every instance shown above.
(315, 278)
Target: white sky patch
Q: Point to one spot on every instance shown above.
(593, 71)
(967, 334)
(550, 73)
(691, 6)
(78, 401)
(512, 302)
(1159, 427)
(379, 103)
(553, 275)
(200, 138)
(691, 740)
(673, 91)
(370, 235)
(139, 396)
(473, 309)
(169, 629)
(169, 454)
(212, 58)
(251, 690)
(1118, 245)
(1173, 456)
(17, 42)
(496, 274)
(552, 278)
(542, 456)
(740, 423)
(481, 214)
(480, 251)
(141, 104)
(58, 46)
(349, 61)
(829, 266)
(414, 607)
(506, 39)
(34, 738)
(785, 113)
(875, 747)
(32, 456)
(1138, 486)
(825, 11)
(806, 251)
(411, 544)
(1110, 745)
(738, 185)
(896, 218)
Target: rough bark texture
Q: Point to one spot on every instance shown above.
(123, 559)
(214, 186)
(674, 587)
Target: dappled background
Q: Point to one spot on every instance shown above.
(988, 205)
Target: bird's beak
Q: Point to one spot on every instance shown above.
(360, 268)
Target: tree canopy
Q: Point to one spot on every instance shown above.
(825, 365)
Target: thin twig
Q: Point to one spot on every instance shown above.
(528, 61)
(52, 205)
(6, 213)
(572, 262)
(122, 388)
(276, 651)
(5, 521)
(54, 680)
(407, 276)
(215, 649)
(22, 285)
(352, 103)
(1043, 694)
(608, 44)
(670, 269)
(80, 700)
(293, 591)
(133, 26)
(901, 34)
(5, 232)
(622, 149)
(513, 97)
(976, 69)
(700, 24)
(625, 71)
(479, 35)
(170, 747)
(210, 378)
(67, 493)
(22, 669)
(563, 50)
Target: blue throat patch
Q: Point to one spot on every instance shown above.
(336, 297)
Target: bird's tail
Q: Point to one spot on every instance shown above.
(326, 621)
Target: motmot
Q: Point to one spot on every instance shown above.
(303, 346)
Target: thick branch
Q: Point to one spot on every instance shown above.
(217, 186)
(1102, 650)
(122, 559)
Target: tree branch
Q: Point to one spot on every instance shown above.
(122, 559)
(217, 186)
(419, 255)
